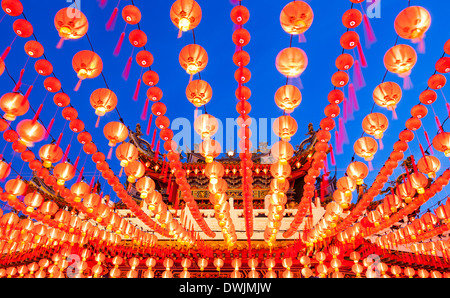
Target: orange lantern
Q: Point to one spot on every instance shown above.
(288, 97)
(412, 22)
(198, 92)
(375, 124)
(15, 187)
(131, 14)
(206, 126)
(400, 59)
(87, 65)
(214, 171)
(429, 165)
(63, 172)
(134, 170)
(30, 132)
(33, 200)
(91, 202)
(71, 23)
(34, 49)
(210, 149)
(103, 100)
(387, 95)
(296, 17)
(365, 147)
(145, 185)
(12, 7)
(285, 127)
(280, 171)
(406, 192)
(126, 152)
(49, 154)
(291, 62)
(13, 104)
(282, 151)
(80, 190)
(418, 182)
(441, 142)
(185, 14)
(115, 132)
(193, 58)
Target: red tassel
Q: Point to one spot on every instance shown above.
(338, 143)
(447, 105)
(77, 87)
(368, 32)
(5, 53)
(75, 165)
(49, 128)
(98, 122)
(149, 124)
(428, 142)
(58, 141)
(153, 139)
(119, 45)
(19, 82)
(352, 97)
(136, 91)
(157, 152)
(362, 58)
(126, 71)
(103, 3)
(27, 94)
(66, 153)
(345, 110)
(144, 110)
(91, 185)
(358, 77)
(180, 33)
(110, 153)
(80, 175)
(121, 171)
(60, 43)
(333, 160)
(38, 112)
(438, 124)
(112, 20)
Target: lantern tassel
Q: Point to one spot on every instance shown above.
(112, 20)
(77, 87)
(126, 71)
(438, 124)
(144, 110)
(38, 112)
(110, 153)
(103, 3)
(370, 165)
(180, 33)
(345, 110)
(447, 105)
(333, 159)
(362, 57)
(428, 142)
(301, 38)
(149, 124)
(352, 97)
(80, 175)
(27, 94)
(368, 32)
(60, 43)
(338, 143)
(407, 82)
(380, 141)
(136, 91)
(121, 171)
(98, 122)
(49, 128)
(394, 114)
(358, 77)
(5, 53)
(58, 141)
(19, 82)
(66, 153)
(119, 45)
(343, 132)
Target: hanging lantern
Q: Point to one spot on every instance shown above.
(365, 147)
(144, 186)
(406, 192)
(87, 65)
(441, 142)
(418, 182)
(193, 58)
(103, 100)
(375, 124)
(412, 23)
(49, 154)
(30, 132)
(80, 190)
(296, 17)
(387, 95)
(280, 171)
(70, 23)
(115, 132)
(401, 59)
(33, 200)
(126, 153)
(131, 14)
(134, 170)
(214, 171)
(291, 62)
(206, 126)
(282, 151)
(63, 172)
(429, 165)
(13, 8)
(198, 92)
(285, 127)
(210, 149)
(288, 97)
(91, 202)
(185, 14)
(14, 105)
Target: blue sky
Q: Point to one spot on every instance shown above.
(214, 34)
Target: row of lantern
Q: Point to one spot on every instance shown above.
(240, 15)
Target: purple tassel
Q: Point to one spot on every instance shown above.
(109, 153)
(144, 110)
(368, 32)
(338, 143)
(112, 20)
(103, 3)
(345, 109)
(301, 38)
(407, 83)
(343, 132)
(126, 71)
(362, 57)
(136, 91)
(119, 45)
(352, 97)
(358, 77)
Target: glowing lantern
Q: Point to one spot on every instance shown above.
(137, 38)
(91, 202)
(30, 132)
(441, 142)
(387, 95)
(12, 7)
(23, 28)
(282, 151)
(210, 149)
(33, 200)
(366, 148)
(145, 185)
(375, 124)
(406, 192)
(429, 165)
(214, 171)
(71, 23)
(206, 126)
(87, 65)
(134, 170)
(34, 49)
(115, 132)
(346, 185)
(291, 62)
(418, 182)
(103, 100)
(400, 59)
(288, 97)
(63, 172)
(5, 170)
(280, 171)
(296, 17)
(198, 92)
(185, 14)
(412, 22)
(80, 190)
(131, 14)
(15, 188)
(193, 58)
(14, 105)
(126, 152)
(285, 127)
